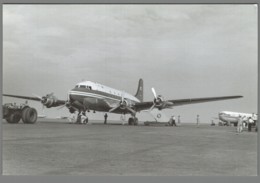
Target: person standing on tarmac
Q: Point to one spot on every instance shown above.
(179, 120)
(198, 120)
(84, 118)
(172, 121)
(250, 123)
(240, 124)
(105, 116)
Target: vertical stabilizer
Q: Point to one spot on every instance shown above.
(140, 91)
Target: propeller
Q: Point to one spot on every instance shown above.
(47, 100)
(123, 105)
(159, 102)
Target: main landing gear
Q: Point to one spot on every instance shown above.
(133, 121)
(82, 118)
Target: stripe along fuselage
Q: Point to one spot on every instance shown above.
(89, 95)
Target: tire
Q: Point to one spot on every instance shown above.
(29, 115)
(235, 124)
(136, 121)
(130, 121)
(14, 118)
(24, 114)
(8, 119)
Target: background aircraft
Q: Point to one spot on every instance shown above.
(232, 117)
(88, 95)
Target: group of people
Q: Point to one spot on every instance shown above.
(172, 121)
(241, 121)
(83, 119)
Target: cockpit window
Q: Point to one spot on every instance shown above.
(82, 86)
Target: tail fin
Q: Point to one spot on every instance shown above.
(140, 90)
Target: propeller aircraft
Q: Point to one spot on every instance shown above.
(88, 95)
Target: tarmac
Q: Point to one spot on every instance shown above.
(61, 148)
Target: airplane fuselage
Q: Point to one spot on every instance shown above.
(232, 117)
(98, 97)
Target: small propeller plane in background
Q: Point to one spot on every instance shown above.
(88, 95)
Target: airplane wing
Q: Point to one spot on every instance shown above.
(172, 103)
(23, 97)
(49, 100)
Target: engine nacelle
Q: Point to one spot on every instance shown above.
(123, 104)
(158, 101)
(49, 100)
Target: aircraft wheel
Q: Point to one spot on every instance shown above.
(235, 124)
(136, 121)
(29, 115)
(130, 121)
(14, 118)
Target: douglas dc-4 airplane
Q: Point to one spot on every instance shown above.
(89, 95)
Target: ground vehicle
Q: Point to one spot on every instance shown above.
(13, 113)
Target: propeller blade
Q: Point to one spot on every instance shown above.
(111, 110)
(131, 110)
(42, 108)
(61, 107)
(154, 93)
(37, 96)
(122, 96)
(151, 108)
(68, 96)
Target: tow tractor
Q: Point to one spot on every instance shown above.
(13, 113)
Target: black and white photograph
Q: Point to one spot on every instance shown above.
(130, 89)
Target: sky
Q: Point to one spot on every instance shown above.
(183, 51)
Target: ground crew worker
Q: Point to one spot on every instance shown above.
(198, 120)
(240, 124)
(170, 121)
(250, 123)
(84, 118)
(105, 116)
(179, 120)
(173, 121)
(79, 118)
